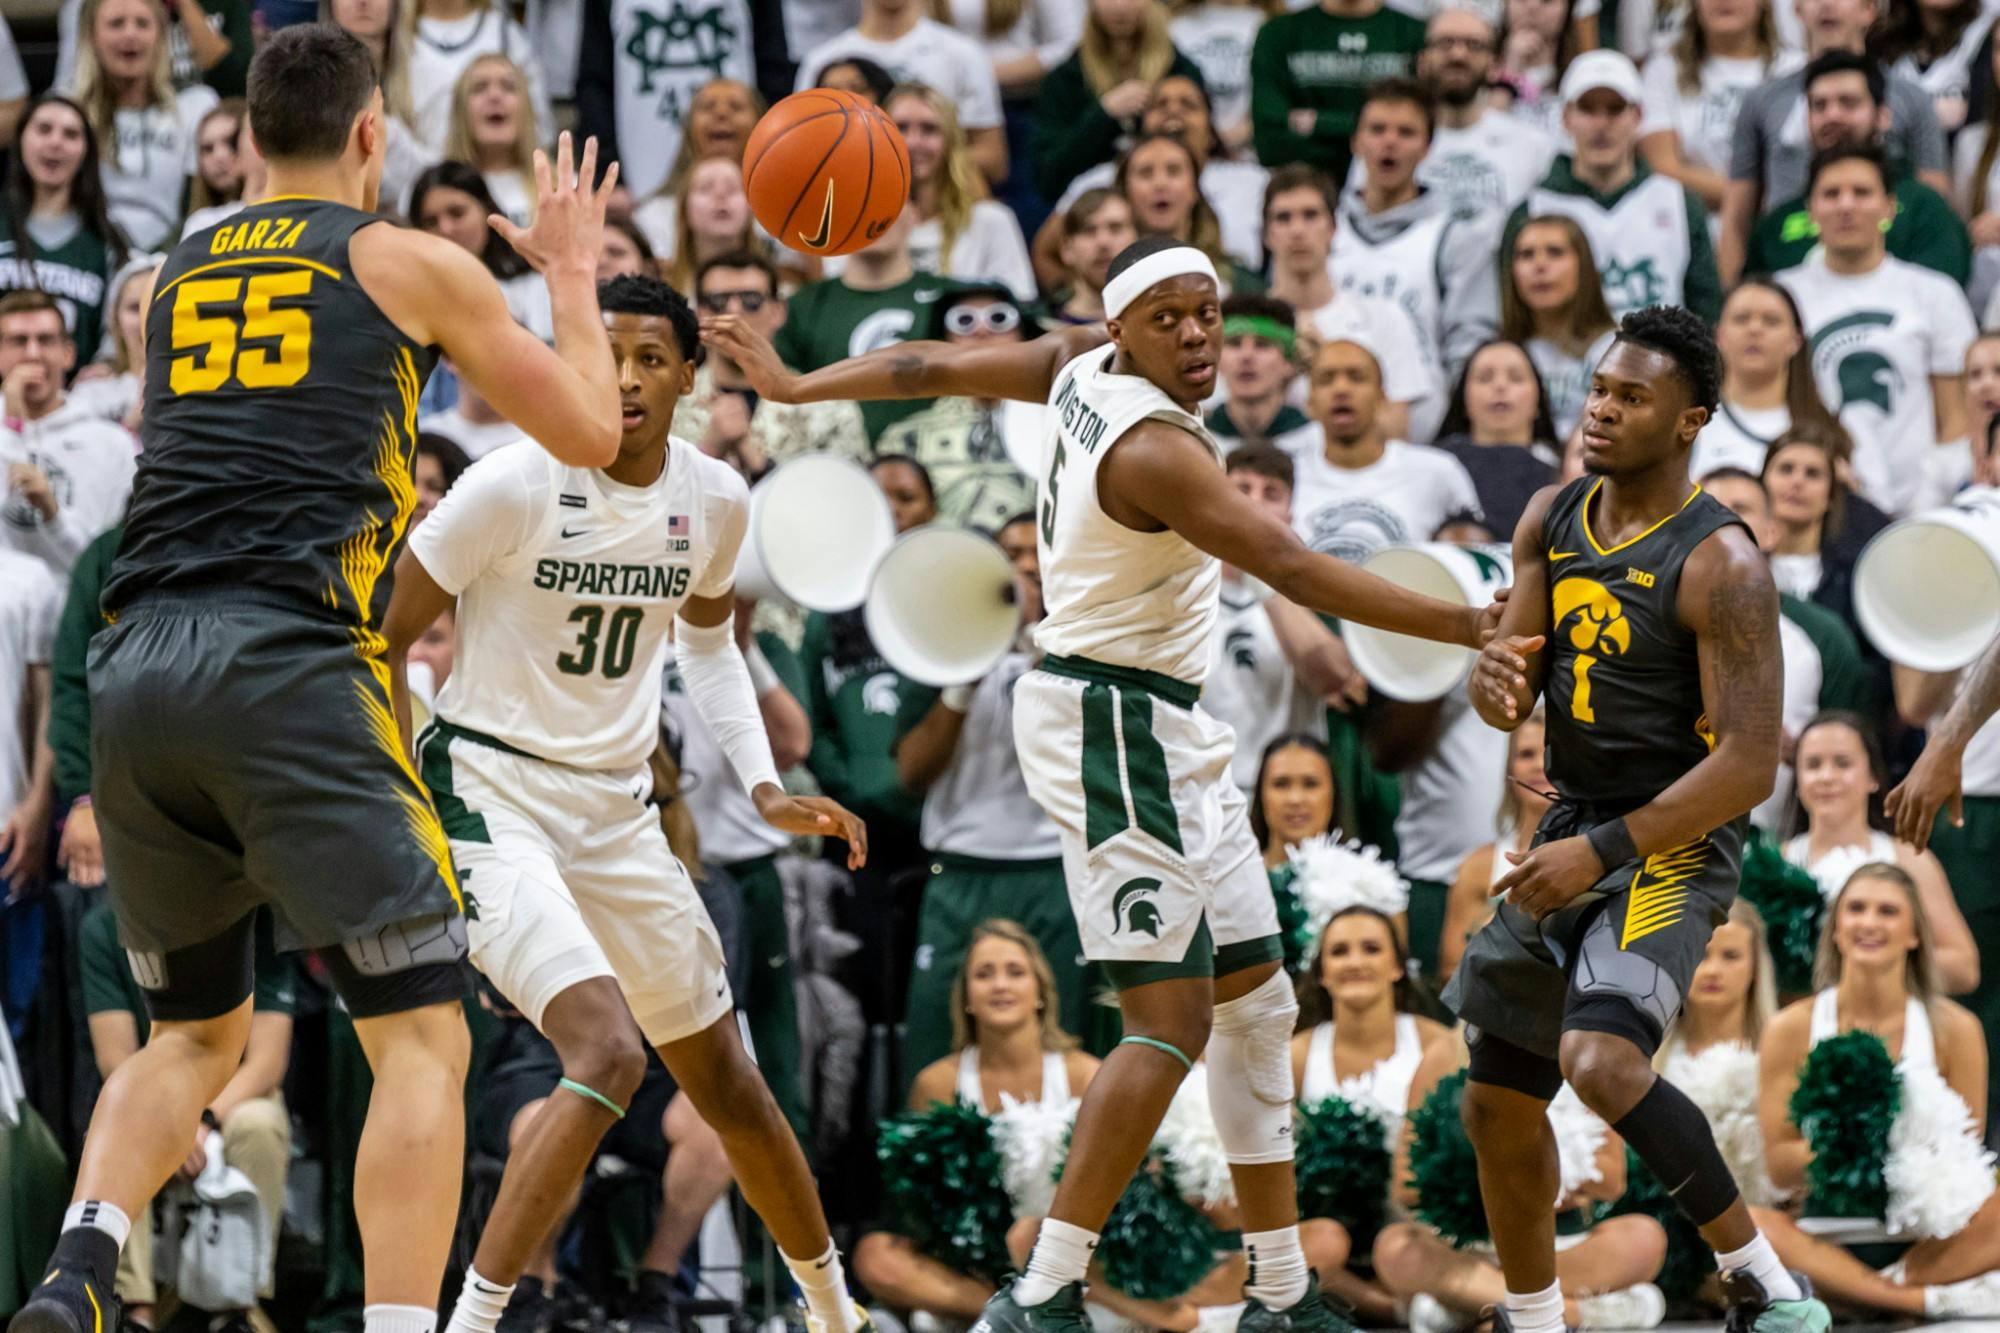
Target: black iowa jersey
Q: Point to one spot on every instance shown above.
(1623, 689)
(280, 418)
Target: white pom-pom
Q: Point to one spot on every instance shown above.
(1029, 1135)
(1833, 870)
(1722, 1081)
(1938, 1172)
(1187, 1136)
(1334, 875)
(1579, 1134)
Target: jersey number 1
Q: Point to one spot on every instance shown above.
(211, 339)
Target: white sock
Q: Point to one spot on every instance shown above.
(480, 1305)
(1537, 1311)
(823, 1282)
(398, 1319)
(1061, 1256)
(1760, 1261)
(1278, 1273)
(101, 1216)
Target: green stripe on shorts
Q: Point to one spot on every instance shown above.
(1146, 770)
(1103, 793)
(461, 823)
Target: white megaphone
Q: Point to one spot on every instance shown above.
(1927, 589)
(1411, 670)
(942, 609)
(818, 525)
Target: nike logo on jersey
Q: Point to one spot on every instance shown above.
(825, 222)
(1555, 555)
(580, 532)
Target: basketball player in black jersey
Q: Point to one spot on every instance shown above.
(246, 747)
(1645, 614)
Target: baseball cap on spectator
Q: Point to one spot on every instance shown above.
(1601, 69)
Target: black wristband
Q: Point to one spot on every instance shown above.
(1612, 842)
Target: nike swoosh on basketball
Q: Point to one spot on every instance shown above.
(825, 222)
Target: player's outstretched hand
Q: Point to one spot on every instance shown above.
(1933, 783)
(809, 816)
(1500, 675)
(733, 337)
(569, 212)
(1489, 616)
(1551, 876)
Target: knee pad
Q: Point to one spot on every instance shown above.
(1250, 1073)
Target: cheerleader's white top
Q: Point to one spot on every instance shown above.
(972, 1091)
(1385, 1088)
(1833, 868)
(1919, 1048)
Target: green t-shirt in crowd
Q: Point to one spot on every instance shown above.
(108, 986)
(1926, 230)
(1845, 680)
(829, 321)
(1314, 61)
(853, 703)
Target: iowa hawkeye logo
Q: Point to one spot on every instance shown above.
(1132, 907)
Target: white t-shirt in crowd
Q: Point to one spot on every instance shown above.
(1876, 340)
(1451, 795)
(1384, 329)
(13, 78)
(156, 155)
(731, 828)
(1948, 79)
(1803, 677)
(1251, 684)
(990, 249)
(1737, 437)
(1047, 29)
(945, 58)
(31, 599)
(1235, 190)
(979, 804)
(1489, 166)
(1403, 496)
(527, 297)
(1218, 38)
(210, 216)
(89, 463)
(812, 23)
(1705, 119)
(514, 193)
(445, 48)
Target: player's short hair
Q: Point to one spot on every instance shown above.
(1397, 88)
(1263, 460)
(307, 84)
(637, 294)
(1684, 338)
(737, 259)
(28, 302)
(1854, 150)
(1847, 62)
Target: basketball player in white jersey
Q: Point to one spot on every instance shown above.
(1165, 879)
(567, 580)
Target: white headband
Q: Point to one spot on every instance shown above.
(1181, 261)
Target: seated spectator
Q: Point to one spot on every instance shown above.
(1888, 338)
(1025, 39)
(1259, 341)
(1308, 71)
(1844, 105)
(218, 174)
(1094, 101)
(1841, 778)
(1357, 1040)
(1648, 233)
(1095, 229)
(250, 166)
(1293, 798)
(382, 29)
(1693, 91)
(968, 445)
(1007, 1042)
(493, 129)
(722, 415)
(57, 237)
(858, 75)
(1272, 663)
(69, 473)
(1935, 47)
(246, 1122)
(1770, 160)
(625, 252)
(207, 43)
(1767, 380)
(1538, 40)
(711, 218)
(146, 129)
(1498, 426)
(903, 39)
(718, 124)
(1481, 158)
(1217, 35)
(1552, 304)
(1951, 473)
(446, 37)
(1160, 177)
(451, 200)
(438, 466)
(1822, 526)
(110, 388)
(1876, 967)
(1524, 799)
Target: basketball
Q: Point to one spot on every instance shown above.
(826, 172)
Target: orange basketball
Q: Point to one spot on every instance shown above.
(826, 172)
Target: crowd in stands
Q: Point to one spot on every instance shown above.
(1429, 216)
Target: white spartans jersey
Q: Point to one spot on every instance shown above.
(1641, 241)
(1876, 339)
(567, 583)
(1251, 684)
(1115, 595)
(1403, 270)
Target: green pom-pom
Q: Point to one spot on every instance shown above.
(1343, 1164)
(1789, 900)
(1156, 1245)
(1689, 1259)
(943, 1187)
(1845, 1104)
(1443, 1170)
(1294, 931)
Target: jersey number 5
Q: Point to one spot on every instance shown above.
(211, 339)
(1049, 505)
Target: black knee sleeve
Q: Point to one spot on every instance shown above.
(1673, 1139)
(1506, 1065)
(203, 981)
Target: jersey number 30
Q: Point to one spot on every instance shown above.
(211, 339)
(619, 641)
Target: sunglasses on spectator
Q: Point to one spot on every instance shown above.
(717, 303)
(966, 319)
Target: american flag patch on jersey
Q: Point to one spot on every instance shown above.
(677, 525)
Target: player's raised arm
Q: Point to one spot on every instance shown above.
(1025, 371)
(437, 292)
(1159, 475)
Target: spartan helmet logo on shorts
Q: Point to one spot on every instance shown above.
(1132, 907)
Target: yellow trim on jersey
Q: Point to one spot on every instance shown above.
(419, 814)
(1657, 904)
(290, 198)
(1630, 540)
(293, 260)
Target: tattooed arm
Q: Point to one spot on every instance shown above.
(1025, 371)
(1934, 780)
